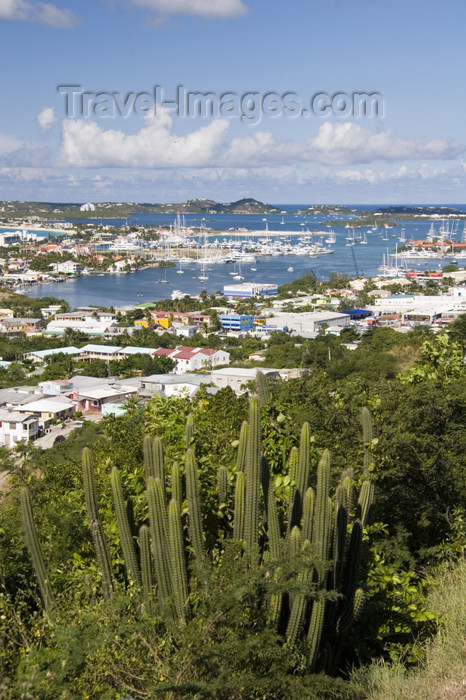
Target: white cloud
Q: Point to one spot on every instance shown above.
(40, 12)
(46, 118)
(211, 9)
(339, 144)
(9, 144)
(14, 152)
(86, 145)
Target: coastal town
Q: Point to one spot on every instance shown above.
(107, 362)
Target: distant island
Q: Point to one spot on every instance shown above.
(341, 214)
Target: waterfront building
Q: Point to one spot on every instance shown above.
(237, 322)
(249, 290)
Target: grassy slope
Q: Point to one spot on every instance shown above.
(443, 675)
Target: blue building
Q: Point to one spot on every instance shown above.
(236, 322)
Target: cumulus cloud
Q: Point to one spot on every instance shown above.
(340, 144)
(9, 144)
(46, 118)
(85, 145)
(155, 145)
(210, 9)
(40, 12)
(14, 152)
(424, 173)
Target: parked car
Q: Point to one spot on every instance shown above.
(59, 438)
(78, 423)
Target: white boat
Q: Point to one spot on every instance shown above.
(290, 269)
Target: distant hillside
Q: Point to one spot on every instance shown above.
(417, 211)
(62, 210)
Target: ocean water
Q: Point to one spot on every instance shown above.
(146, 285)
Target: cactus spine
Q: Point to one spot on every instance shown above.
(178, 564)
(308, 512)
(238, 520)
(242, 447)
(253, 480)
(189, 431)
(34, 548)
(262, 388)
(293, 473)
(367, 437)
(322, 513)
(194, 505)
(146, 564)
(222, 484)
(148, 455)
(124, 531)
(97, 530)
(315, 631)
(153, 459)
(159, 535)
(298, 606)
(176, 484)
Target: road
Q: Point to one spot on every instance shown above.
(47, 441)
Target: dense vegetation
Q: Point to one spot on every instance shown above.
(220, 642)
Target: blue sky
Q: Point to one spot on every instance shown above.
(410, 52)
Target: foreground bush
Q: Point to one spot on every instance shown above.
(252, 600)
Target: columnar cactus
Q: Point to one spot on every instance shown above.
(238, 521)
(253, 479)
(97, 530)
(146, 565)
(222, 484)
(242, 447)
(194, 505)
(124, 531)
(34, 548)
(159, 535)
(322, 538)
(189, 430)
(177, 559)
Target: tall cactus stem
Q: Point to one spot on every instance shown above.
(293, 462)
(124, 530)
(176, 484)
(146, 565)
(189, 431)
(238, 520)
(273, 528)
(178, 563)
(367, 436)
(159, 535)
(148, 456)
(308, 513)
(34, 548)
(222, 484)
(253, 480)
(242, 447)
(194, 505)
(97, 530)
(315, 631)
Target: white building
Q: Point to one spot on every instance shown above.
(189, 359)
(307, 324)
(17, 427)
(238, 377)
(69, 267)
(87, 207)
(92, 323)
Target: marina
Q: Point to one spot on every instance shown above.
(246, 248)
